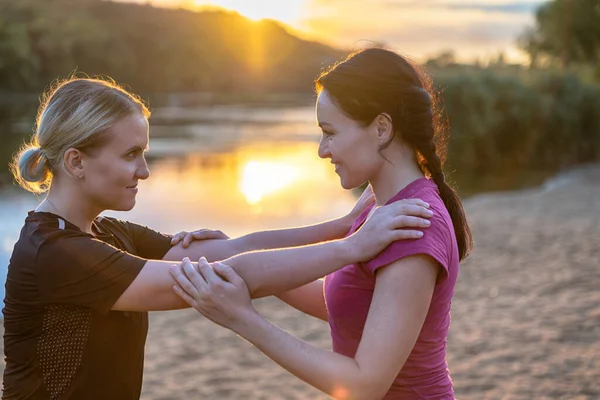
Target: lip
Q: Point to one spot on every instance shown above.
(133, 188)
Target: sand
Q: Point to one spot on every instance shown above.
(525, 317)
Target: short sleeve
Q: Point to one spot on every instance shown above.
(436, 243)
(150, 244)
(75, 268)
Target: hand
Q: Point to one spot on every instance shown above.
(200, 234)
(365, 200)
(216, 291)
(388, 224)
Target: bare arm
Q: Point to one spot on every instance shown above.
(220, 249)
(308, 298)
(402, 297)
(213, 250)
(275, 271)
(151, 290)
(267, 272)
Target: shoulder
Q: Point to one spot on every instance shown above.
(426, 190)
(136, 238)
(438, 240)
(44, 235)
(43, 229)
(113, 225)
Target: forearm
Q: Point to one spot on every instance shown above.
(275, 271)
(219, 249)
(337, 375)
(293, 237)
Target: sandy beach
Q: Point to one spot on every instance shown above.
(525, 317)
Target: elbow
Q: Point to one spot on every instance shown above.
(370, 389)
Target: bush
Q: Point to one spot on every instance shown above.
(506, 122)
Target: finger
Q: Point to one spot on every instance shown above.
(417, 202)
(410, 209)
(186, 297)
(205, 234)
(177, 237)
(228, 274)
(370, 198)
(368, 193)
(189, 238)
(193, 276)
(404, 234)
(183, 281)
(208, 273)
(407, 221)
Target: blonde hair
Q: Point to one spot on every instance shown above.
(73, 113)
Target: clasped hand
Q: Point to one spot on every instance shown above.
(214, 290)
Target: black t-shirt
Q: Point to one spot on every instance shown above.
(61, 339)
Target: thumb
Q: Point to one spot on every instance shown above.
(227, 273)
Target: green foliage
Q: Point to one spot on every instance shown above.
(567, 31)
(505, 122)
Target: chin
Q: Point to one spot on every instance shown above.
(348, 185)
(124, 206)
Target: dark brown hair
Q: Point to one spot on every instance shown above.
(375, 81)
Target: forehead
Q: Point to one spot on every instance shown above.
(328, 112)
(129, 132)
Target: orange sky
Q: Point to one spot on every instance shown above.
(419, 28)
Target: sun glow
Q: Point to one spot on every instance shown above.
(260, 178)
(288, 11)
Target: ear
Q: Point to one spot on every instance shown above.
(74, 163)
(385, 128)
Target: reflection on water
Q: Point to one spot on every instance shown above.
(261, 178)
(230, 176)
(256, 186)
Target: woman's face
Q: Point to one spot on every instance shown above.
(351, 147)
(111, 173)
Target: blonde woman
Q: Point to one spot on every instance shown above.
(79, 286)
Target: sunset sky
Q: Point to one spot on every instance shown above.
(419, 28)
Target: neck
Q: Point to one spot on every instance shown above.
(393, 178)
(68, 205)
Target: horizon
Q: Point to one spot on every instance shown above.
(474, 31)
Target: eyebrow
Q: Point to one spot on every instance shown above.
(322, 124)
(138, 148)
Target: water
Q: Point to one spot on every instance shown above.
(237, 168)
(234, 168)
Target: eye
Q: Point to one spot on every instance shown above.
(327, 134)
(132, 154)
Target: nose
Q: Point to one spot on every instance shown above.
(142, 172)
(324, 149)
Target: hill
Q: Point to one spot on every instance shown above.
(152, 49)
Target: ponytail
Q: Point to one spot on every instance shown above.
(433, 164)
(31, 169)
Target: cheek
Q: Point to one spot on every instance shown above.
(114, 172)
